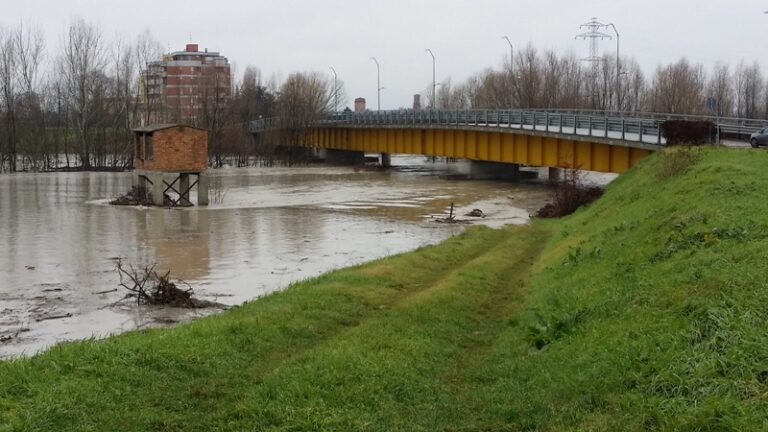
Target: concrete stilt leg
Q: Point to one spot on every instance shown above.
(184, 189)
(139, 181)
(158, 187)
(555, 174)
(386, 160)
(202, 189)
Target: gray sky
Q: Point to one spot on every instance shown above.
(301, 35)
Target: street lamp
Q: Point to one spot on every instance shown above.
(511, 52)
(511, 69)
(618, 68)
(378, 84)
(335, 91)
(434, 84)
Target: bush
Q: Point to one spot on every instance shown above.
(675, 162)
(688, 132)
(568, 195)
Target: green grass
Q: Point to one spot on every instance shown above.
(647, 310)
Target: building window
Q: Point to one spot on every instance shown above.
(138, 152)
(149, 148)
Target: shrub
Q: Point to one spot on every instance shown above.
(675, 162)
(688, 132)
(568, 195)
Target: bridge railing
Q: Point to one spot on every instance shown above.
(641, 127)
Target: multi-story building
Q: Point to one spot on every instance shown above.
(185, 87)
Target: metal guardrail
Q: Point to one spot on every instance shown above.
(637, 127)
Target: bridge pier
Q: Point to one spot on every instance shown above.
(386, 160)
(481, 170)
(555, 174)
(344, 157)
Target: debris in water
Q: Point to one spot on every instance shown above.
(476, 213)
(152, 288)
(134, 197)
(53, 317)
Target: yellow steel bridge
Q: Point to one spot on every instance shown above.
(514, 137)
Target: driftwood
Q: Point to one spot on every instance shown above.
(53, 317)
(134, 197)
(149, 287)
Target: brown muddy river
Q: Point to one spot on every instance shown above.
(265, 228)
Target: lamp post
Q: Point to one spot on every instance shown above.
(434, 84)
(511, 53)
(511, 69)
(618, 67)
(378, 84)
(335, 91)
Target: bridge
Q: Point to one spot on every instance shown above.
(587, 140)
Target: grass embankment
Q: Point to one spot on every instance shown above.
(647, 310)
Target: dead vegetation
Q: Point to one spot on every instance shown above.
(568, 195)
(134, 197)
(148, 287)
(673, 162)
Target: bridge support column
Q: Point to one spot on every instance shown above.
(480, 170)
(202, 189)
(344, 157)
(386, 160)
(555, 174)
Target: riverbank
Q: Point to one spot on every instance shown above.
(644, 311)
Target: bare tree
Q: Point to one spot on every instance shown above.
(528, 82)
(749, 90)
(8, 91)
(720, 88)
(450, 97)
(148, 51)
(81, 66)
(678, 88)
(635, 93)
(303, 97)
(123, 102)
(29, 46)
(215, 111)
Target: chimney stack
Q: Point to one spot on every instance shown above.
(360, 105)
(417, 102)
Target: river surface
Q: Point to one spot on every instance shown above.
(265, 228)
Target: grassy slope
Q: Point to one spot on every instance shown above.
(646, 310)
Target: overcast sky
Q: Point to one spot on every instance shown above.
(284, 36)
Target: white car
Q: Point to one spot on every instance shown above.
(759, 138)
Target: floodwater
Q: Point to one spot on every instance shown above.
(265, 228)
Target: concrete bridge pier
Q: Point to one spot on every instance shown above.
(555, 174)
(344, 157)
(480, 170)
(386, 160)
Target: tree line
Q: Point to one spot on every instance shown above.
(547, 79)
(73, 107)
